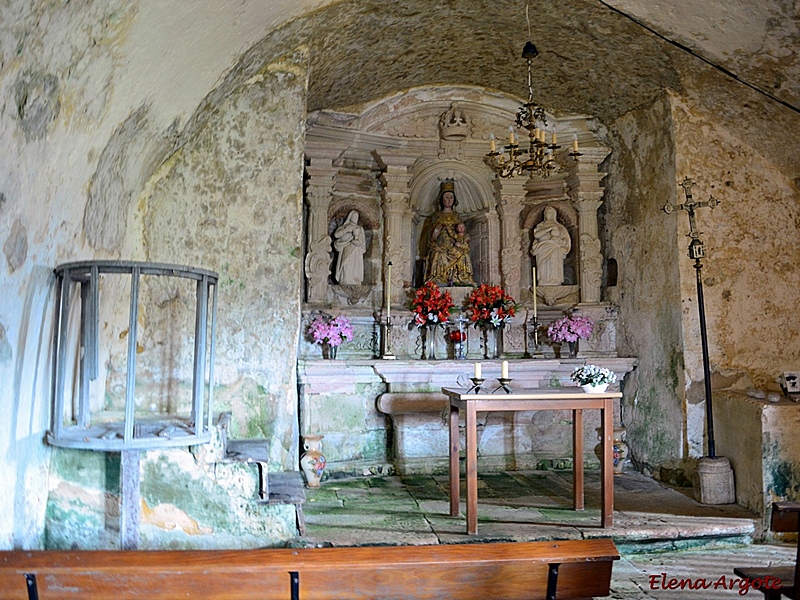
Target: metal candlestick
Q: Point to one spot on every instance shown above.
(696, 252)
(503, 381)
(387, 341)
(476, 385)
(537, 353)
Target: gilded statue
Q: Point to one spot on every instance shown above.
(448, 260)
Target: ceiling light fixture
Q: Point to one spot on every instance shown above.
(539, 159)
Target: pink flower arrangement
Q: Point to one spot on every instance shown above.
(331, 331)
(569, 329)
(431, 306)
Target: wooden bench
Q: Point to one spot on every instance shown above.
(525, 570)
(785, 518)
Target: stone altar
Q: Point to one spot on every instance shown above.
(380, 415)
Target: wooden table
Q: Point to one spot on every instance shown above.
(573, 399)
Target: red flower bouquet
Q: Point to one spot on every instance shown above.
(490, 306)
(431, 306)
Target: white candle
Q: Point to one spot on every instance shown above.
(574, 142)
(553, 140)
(504, 370)
(477, 371)
(492, 146)
(511, 135)
(389, 291)
(533, 288)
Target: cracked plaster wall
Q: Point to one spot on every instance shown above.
(230, 201)
(71, 75)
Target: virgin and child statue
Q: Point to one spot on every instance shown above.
(448, 260)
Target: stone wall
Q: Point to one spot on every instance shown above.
(230, 200)
(750, 266)
(94, 98)
(760, 439)
(642, 240)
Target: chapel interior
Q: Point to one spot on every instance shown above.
(225, 173)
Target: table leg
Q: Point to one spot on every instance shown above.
(455, 475)
(607, 481)
(472, 469)
(577, 458)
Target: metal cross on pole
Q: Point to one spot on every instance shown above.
(696, 252)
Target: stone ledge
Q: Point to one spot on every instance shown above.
(407, 403)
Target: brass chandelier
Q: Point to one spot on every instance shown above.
(539, 159)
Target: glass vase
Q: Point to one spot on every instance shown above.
(491, 342)
(329, 351)
(456, 336)
(428, 343)
(573, 348)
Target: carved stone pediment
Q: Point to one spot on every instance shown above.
(351, 294)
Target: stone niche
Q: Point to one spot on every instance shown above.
(386, 165)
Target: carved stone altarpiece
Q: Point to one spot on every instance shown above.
(389, 162)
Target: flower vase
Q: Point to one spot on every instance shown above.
(595, 388)
(428, 343)
(329, 351)
(491, 347)
(573, 348)
(619, 451)
(458, 339)
(312, 462)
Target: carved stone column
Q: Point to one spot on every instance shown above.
(511, 194)
(591, 258)
(318, 257)
(396, 218)
(586, 194)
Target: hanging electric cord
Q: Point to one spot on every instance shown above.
(704, 59)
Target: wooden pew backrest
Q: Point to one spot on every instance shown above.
(525, 570)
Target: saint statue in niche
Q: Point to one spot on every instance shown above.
(551, 244)
(448, 261)
(350, 243)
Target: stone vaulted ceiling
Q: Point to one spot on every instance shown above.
(601, 59)
(365, 49)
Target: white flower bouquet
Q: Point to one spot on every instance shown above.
(593, 375)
